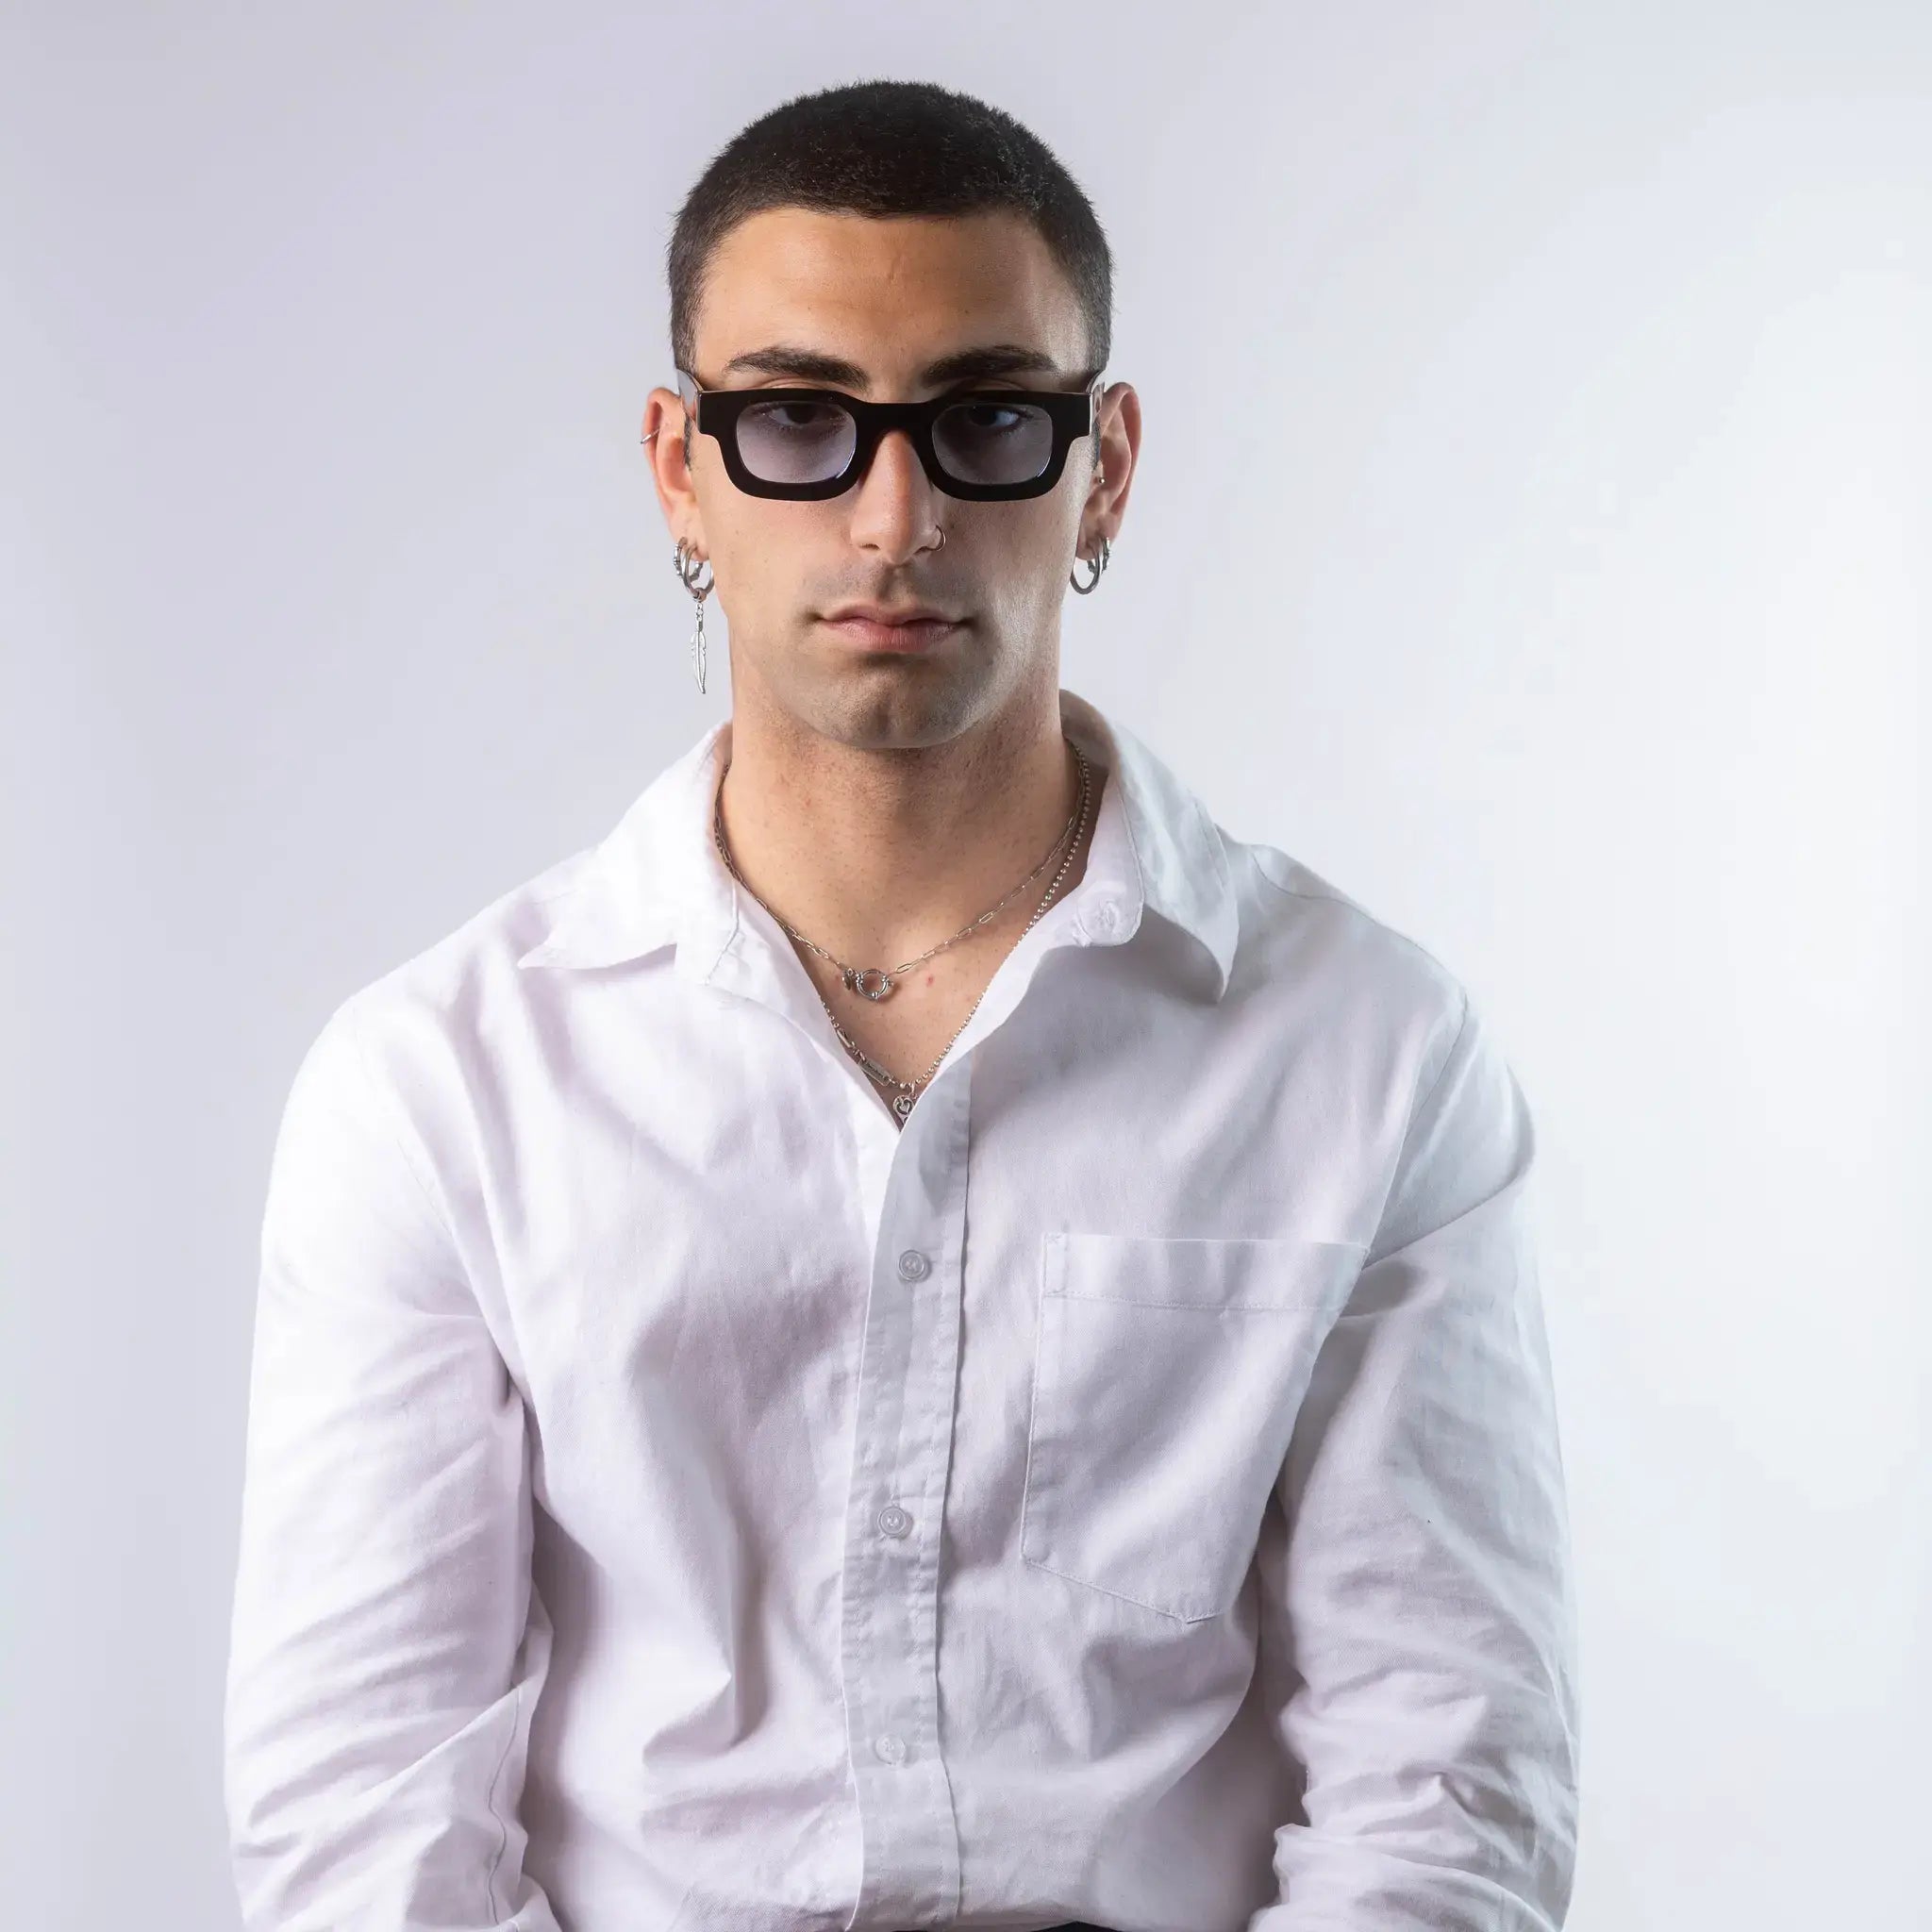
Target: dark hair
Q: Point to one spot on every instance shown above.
(884, 148)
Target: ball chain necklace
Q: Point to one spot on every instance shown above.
(877, 983)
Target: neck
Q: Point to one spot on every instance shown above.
(878, 852)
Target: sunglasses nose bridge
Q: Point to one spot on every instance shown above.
(872, 436)
(906, 484)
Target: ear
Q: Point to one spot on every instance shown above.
(663, 435)
(1117, 422)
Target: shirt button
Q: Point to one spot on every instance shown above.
(893, 1521)
(913, 1266)
(892, 1749)
(1105, 916)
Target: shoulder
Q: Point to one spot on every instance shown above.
(1385, 1009)
(437, 1019)
(1299, 926)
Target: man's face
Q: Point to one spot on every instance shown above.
(891, 298)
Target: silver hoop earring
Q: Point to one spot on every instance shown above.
(1099, 561)
(689, 566)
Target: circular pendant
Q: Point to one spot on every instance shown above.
(880, 982)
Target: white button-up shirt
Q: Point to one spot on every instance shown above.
(678, 1496)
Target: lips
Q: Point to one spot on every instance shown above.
(919, 635)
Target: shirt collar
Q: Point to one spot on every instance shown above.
(656, 879)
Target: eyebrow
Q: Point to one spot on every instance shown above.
(995, 358)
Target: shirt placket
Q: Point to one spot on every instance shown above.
(902, 1450)
(914, 1178)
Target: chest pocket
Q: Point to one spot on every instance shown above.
(1168, 1372)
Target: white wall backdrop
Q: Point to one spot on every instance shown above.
(1537, 403)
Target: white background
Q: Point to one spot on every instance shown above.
(1531, 535)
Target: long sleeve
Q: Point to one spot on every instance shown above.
(383, 1662)
(1424, 1603)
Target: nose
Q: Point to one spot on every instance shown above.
(894, 511)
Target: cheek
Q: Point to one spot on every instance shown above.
(764, 563)
(1027, 550)
(1049, 554)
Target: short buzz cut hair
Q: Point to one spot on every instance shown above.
(886, 148)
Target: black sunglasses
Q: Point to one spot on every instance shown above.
(801, 444)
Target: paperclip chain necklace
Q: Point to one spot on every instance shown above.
(876, 983)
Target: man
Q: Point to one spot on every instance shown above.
(921, 1337)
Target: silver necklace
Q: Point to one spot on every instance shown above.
(906, 1091)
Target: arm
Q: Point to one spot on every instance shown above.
(380, 1683)
(1424, 1606)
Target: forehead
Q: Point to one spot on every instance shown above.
(889, 295)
